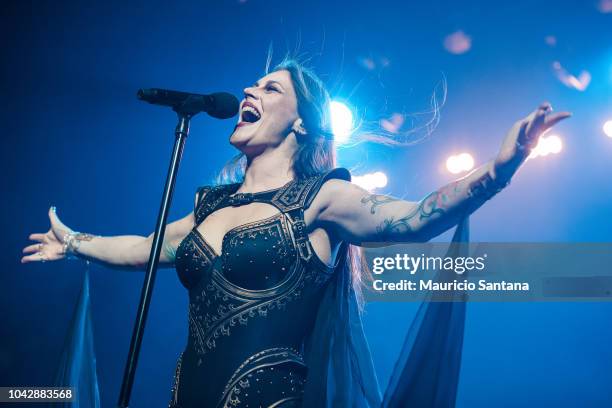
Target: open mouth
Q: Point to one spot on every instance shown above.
(250, 114)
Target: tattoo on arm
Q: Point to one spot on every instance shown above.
(81, 236)
(77, 239)
(435, 204)
(377, 200)
(170, 252)
(391, 226)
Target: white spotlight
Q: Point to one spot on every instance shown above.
(607, 128)
(380, 179)
(467, 161)
(555, 144)
(341, 121)
(459, 163)
(371, 181)
(547, 145)
(452, 165)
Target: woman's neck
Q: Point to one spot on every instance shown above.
(266, 171)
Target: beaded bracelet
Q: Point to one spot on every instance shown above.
(68, 247)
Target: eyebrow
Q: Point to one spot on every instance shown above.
(271, 81)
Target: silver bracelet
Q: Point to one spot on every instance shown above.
(68, 247)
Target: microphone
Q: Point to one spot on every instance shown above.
(220, 105)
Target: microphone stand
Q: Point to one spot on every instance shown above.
(181, 132)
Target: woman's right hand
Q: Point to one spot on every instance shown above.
(50, 245)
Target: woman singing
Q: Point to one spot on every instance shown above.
(269, 261)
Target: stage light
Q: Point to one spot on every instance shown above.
(467, 161)
(380, 179)
(547, 145)
(459, 163)
(452, 165)
(341, 120)
(371, 181)
(607, 128)
(555, 144)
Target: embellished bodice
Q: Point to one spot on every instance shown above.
(251, 306)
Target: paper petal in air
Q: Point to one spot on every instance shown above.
(372, 63)
(457, 42)
(605, 6)
(393, 124)
(367, 63)
(580, 83)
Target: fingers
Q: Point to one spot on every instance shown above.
(539, 117)
(53, 216)
(58, 228)
(55, 220)
(37, 251)
(545, 106)
(36, 237)
(540, 120)
(33, 248)
(529, 130)
(553, 119)
(37, 257)
(534, 120)
(29, 258)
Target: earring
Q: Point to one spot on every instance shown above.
(298, 128)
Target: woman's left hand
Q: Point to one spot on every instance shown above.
(522, 138)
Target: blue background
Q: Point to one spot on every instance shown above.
(76, 137)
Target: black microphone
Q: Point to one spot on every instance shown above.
(220, 105)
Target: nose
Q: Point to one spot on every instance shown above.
(249, 92)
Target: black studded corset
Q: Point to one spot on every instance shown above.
(251, 306)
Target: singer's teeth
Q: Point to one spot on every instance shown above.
(250, 114)
(251, 109)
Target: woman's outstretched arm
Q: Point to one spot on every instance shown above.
(123, 252)
(360, 216)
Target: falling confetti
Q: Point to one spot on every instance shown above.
(605, 6)
(393, 124)
(550, 40)
(457, 42)
(372, 63)
(579, 83)
(367, 63)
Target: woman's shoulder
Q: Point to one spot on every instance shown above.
(337, 173)
(213, 189)
(328, 185)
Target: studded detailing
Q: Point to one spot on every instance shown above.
(240, 199)
(252, 305)
(273, 371)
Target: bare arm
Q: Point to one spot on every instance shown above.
(363, 217)
(132, 251)
(123, 252)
